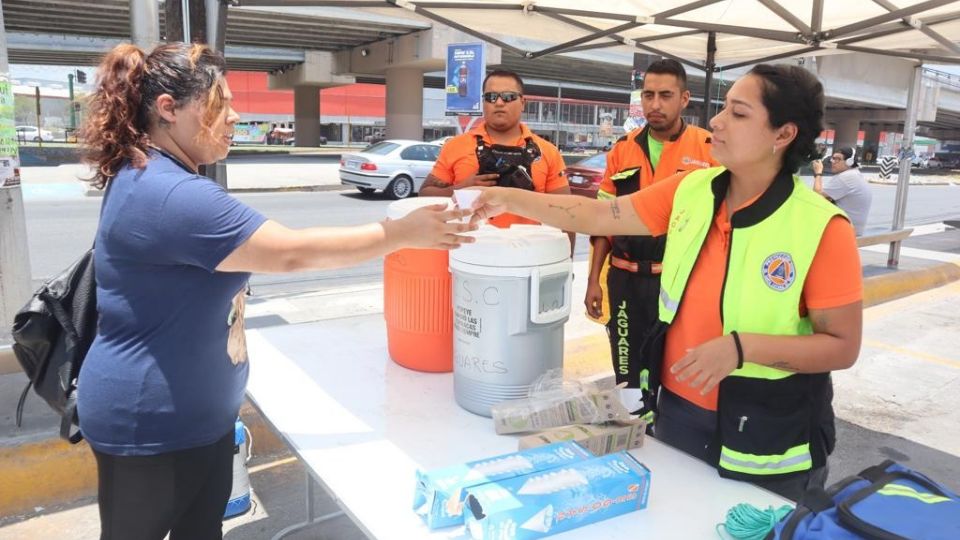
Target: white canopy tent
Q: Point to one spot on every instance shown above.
(743, 31)
(709, 35)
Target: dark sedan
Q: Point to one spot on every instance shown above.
(585, 175)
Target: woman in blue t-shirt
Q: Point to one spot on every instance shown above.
(164, 379)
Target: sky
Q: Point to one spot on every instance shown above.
(49, 76)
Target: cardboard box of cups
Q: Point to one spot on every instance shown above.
(568, 474)
(532, 493)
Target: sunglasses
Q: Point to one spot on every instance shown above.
(507, 97)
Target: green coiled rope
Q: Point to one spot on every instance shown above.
(747, 522)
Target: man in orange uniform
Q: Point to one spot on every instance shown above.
(501, 151)
(662, 148)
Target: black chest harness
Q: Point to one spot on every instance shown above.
(512, 163)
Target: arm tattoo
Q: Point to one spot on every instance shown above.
(433, 181)
(784, 365)
(614, 209)
(567, 209)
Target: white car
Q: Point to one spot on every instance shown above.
(933, 162)
(398, 167)
(31, 133)
(442, 140)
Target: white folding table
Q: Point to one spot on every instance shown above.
(362, 425)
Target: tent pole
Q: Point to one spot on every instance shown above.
(906, 156)
(708, 80)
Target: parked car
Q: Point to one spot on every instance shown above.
(585, 175)
(396, 166)
(32, 133)
(933, 162)
(442, 140)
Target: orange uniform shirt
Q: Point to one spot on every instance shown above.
(688, 150)
(834, 280)
(458, 161)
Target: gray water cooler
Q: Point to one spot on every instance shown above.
(511, 298)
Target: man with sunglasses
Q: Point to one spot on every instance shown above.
(665, 146)
(500, 151)
(847, 188)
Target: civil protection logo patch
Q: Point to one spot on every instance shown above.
(778, 271)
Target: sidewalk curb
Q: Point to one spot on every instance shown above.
(52, 472)
(887, 287)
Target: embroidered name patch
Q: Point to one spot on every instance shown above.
(778, 271)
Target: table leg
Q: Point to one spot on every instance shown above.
(310, 521)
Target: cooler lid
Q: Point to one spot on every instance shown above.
(399, 209)
(518, 246)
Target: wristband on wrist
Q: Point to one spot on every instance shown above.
(736, 341)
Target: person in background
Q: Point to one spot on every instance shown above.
(847, 188)
(500, 151)
(162, 384)
(665, 146)
(761, 289)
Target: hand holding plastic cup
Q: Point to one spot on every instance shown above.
(464, 198)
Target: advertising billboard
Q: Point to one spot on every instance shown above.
(466, 68)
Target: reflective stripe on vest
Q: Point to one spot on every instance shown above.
(624, 174)
(793, 460)
(668, 303)
(605, 196)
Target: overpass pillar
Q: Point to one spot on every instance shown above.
(871, 142)
(846, 133)
(306, 114)
(404, 103)
(144, 24)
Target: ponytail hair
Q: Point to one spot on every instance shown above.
(121, 111)
(112, 132)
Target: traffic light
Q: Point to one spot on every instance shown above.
(81, 77)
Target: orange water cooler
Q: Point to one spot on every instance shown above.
(416, 300)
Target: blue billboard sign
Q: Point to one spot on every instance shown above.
(466, 67)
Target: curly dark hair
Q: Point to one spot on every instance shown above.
(129, 81)
(793, 94)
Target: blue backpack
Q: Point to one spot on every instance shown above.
(884, 502)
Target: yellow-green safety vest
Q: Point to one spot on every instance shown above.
(772, 245)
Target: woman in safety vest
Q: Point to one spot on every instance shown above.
(760, 292)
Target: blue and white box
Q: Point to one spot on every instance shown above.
(440, 493)
(558, 500)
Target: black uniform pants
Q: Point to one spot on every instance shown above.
(633, 311)
(687, 427)
(183, 493)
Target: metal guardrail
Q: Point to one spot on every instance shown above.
(8, 362)
(883, 238)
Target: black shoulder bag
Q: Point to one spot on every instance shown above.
(52, 334)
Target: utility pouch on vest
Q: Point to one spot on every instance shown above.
(770, 428)
(884, 502)
(513, 163)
